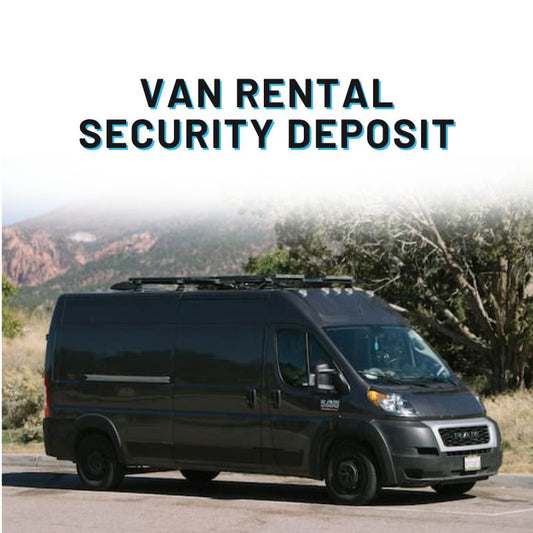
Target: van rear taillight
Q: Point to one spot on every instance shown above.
(46, 397)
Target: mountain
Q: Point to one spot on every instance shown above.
(82, 247)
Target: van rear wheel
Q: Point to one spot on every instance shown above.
(351, 477)
(454, 488)
(97, 463)
(199, 477)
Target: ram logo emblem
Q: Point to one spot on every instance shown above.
(329, 405)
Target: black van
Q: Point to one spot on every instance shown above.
(272, 375)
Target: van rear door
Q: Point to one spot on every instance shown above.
(113, 361)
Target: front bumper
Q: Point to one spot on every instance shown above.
(419, 456)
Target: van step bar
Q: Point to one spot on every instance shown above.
(279, 281)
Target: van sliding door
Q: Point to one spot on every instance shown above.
(217, 408)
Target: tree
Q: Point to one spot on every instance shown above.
(11, 326)
(463, 272)
(301, 248)
(478, 284)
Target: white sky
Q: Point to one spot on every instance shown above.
(67, 61)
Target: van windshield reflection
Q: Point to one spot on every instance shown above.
(391, 355)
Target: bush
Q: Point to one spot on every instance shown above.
(11, 325)
(23, 403)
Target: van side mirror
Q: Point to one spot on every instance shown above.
(327, 379)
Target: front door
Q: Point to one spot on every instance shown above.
(299, 416)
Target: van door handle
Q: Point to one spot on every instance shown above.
(251, 397)
(275, 398)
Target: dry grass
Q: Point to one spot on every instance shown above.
(27, 350)
(514, 414)
(11, 443)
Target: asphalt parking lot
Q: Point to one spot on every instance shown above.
(40, 495)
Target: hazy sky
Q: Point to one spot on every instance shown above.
(64, 62)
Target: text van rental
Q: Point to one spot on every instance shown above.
(274, 375)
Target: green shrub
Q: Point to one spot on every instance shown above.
(11, 325)
(23, 403)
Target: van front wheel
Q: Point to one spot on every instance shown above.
(97, 463)
(351, 477)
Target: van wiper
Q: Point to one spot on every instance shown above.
(382, 376)
(416, 380)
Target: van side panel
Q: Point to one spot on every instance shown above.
(109, 364)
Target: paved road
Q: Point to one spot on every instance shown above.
(50, 499)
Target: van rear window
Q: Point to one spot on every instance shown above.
(114, 350)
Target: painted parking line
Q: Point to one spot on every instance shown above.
(463, 513)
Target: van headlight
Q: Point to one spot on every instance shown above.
(392, 403)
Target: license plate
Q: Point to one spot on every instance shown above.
(472, 463)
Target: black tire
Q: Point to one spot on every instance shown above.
(454, 488)
(199, 477)
(351, 476)
(97, 463)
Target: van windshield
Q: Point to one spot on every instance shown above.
(390, 355)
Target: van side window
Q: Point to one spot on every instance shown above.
(214, 355)
(298, 353)
(317, 354)
(292, 357)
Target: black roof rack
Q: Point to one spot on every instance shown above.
(278, 281)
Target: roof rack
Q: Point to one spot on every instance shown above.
(278, 281)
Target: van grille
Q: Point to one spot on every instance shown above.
(465, 436)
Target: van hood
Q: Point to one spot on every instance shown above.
(444, 403)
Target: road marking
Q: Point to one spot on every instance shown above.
(466, 513)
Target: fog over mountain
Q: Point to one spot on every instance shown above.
(89, 247)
